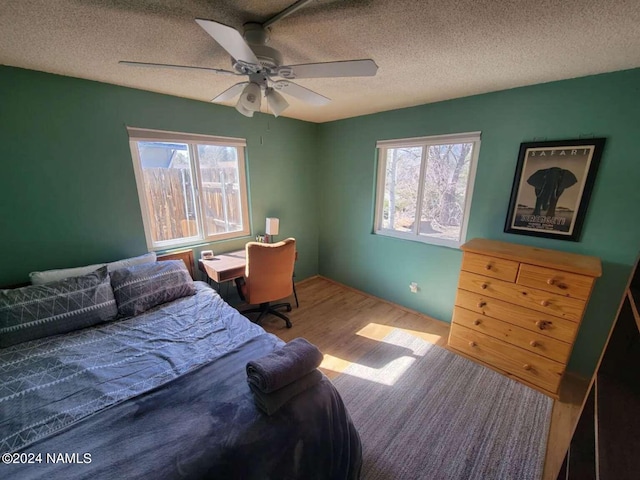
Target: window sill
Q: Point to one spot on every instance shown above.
(438, 242)
(199, 243)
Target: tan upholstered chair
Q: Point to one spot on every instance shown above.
(268, 277)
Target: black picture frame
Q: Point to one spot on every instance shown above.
(552, 187)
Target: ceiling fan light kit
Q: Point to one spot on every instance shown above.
(240, 108)
(250, 98)
(251, 56)
(277, 103)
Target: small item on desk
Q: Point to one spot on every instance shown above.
(284, 366)
(260, 238)
(206, 254)
(270, 403)
(272, 228)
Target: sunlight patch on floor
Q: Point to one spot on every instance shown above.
(336, 364)
(387, 375)
(377, 331)
(391, 371)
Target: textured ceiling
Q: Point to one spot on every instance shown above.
(426, 50)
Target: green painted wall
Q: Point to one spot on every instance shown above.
(68, 194)
(605, 105)
(67, 190)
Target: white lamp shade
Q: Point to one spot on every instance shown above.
(277, 103)
(243, 111)
(251, 97)
(273, 224)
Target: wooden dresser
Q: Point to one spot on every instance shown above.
(518, 309)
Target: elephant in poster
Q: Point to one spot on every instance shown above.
(550, 183)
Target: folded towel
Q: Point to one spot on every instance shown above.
(270, 403)
(283, 366)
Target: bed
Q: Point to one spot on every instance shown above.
(161, 394)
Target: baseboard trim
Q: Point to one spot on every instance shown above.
(388, 302)
(308, 279)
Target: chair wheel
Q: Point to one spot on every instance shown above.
(288, 308)
(288, 324)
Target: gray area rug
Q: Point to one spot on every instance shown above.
(425, 413)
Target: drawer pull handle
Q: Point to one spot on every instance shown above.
(544, 303)
(484, 286)
(561, 286)
(526, 366)
(482, 304)
(477, 322)
(472, 344)
(488, 267)
(533, 343)
(542, 324)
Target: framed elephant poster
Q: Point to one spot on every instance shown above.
(552, 186)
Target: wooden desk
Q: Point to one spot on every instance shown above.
(229, 266)
(224, 267)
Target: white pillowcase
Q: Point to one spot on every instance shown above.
(130, 262)
(47, 276)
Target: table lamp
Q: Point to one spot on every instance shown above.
(271, 228)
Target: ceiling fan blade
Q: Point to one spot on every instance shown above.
(304, 94)
(348, 68)
(231, 92)
(229, 39)
(179, 67)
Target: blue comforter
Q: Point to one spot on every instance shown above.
(163, 395)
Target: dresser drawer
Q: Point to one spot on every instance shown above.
(555, 281)
(545, 302)
(547, 325)
(533, 368)
(518, 336)
(490, 266)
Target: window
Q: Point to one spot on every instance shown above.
(192, 188)
(424, 187)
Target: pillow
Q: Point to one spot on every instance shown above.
(141, 287)
(40, 278)
(130, 262)
(39, 311)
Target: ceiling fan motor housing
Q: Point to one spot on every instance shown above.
(270, 59)
(257, 37)
(255, 34)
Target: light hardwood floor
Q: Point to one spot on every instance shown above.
(345, 323)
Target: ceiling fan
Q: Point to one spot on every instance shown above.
(251, 56)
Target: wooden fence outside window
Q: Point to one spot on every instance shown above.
(170, 196)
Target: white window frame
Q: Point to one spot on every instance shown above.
(145, 135)
(383, 145)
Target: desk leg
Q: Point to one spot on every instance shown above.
(215, 285)
(221, 287)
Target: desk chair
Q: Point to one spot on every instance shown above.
(268, 277)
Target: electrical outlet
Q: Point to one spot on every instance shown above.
(413, 286)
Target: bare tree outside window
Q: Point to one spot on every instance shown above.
(425, 189)
(401, 187)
